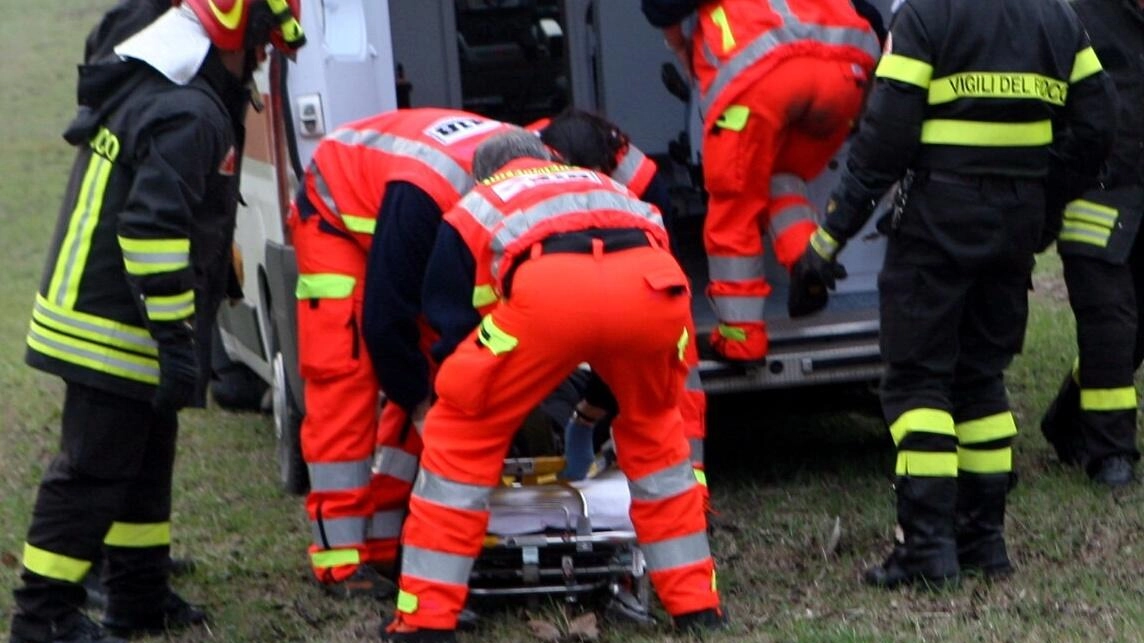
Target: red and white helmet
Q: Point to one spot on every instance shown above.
(235, 25)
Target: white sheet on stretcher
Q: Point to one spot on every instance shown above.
(608, 501)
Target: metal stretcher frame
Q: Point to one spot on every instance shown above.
(572, 560)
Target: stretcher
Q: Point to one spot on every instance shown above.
(566, 540)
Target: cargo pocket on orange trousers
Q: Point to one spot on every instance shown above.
(329, 342)
(673, 283)
(466, 377)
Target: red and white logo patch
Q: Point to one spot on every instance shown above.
(227, 167)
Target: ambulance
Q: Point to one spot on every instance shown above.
(516, 61)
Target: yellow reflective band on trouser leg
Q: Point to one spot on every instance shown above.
(1108, 399)
(406, 602)
(54, 566)
(125, 534)
(714, 582)
(700, 476)
(986, 429)
(922, 419)
(495, 339)
(681, 345)
(732, 333)
(985, 460)
(734, 118)
(335, 558)
(927, 463)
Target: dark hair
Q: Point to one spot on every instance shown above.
(585, 139)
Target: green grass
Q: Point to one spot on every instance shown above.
(780, 478)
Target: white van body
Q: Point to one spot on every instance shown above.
(515, 60)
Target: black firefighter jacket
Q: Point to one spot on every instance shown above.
(1105, 221)
(142, 246)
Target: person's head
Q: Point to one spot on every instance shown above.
(241, 29)
(492, 154)
(585, 139)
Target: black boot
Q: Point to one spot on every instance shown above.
(927, 553)
(168, 614)
(981, 523)
(1060, 424)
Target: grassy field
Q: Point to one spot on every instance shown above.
(781, 479)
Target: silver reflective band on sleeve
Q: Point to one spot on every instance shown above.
(791, 215)
(332, 533)
(437, 566)
(396, 463)
(629, 164)
(339, 476)
(676, 552)
(791, 31)
(738, 309)
(457, 495)
(693, 382)
(696, 445)
(783, 185)
(663, 484)
(735, 268)
(157, 261)
(386, 524)
(323, 190)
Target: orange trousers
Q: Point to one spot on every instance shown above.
(341, 398)
(778, 133)
(625, 313)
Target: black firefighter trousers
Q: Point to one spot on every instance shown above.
(954, 294)
(1106, 299)
(114, 468)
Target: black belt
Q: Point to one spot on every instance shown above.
(582, 242)
(973, 180)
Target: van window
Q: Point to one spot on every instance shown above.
(344, 37)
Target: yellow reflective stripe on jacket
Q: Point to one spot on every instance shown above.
(334, 558)
(1085, 64)
(495, 339)
(483, 295)
(1108, 399)
(719, 17)
(406, 602)
(682, 342)
(170, 307)
(126, 534)
(985, 461)
(986, 134)
(986, 429)
(904, 69)
(922, 419)
(982, 84)
(76, 244)
(96, 356)
(151, 256)
(1091, 212)
(324, 285)
(734, 118)
(55, 566)
(1080, 232)
(92, 328)
(361, 225)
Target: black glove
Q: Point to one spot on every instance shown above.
(814, 274)
(178, 375)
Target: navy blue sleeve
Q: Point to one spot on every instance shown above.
(407, 223)
(448, 292)
(657, 194)
(664, 13)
